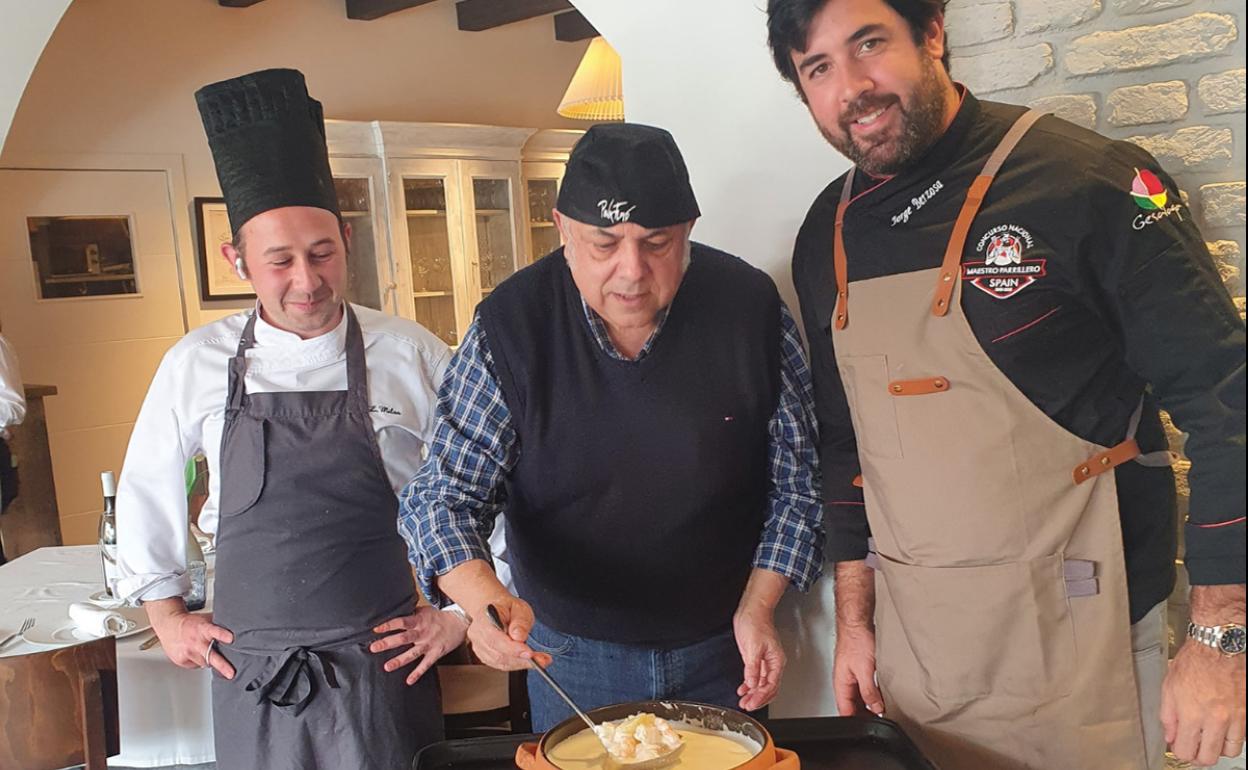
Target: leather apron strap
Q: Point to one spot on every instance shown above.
(957, 241)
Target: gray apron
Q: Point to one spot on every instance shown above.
(309, 559)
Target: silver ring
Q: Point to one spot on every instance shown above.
(208, 654)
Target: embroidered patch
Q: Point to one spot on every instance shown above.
(1004, 272)
(1150, 195)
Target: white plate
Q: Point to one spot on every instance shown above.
(102, 598)
(68, 633)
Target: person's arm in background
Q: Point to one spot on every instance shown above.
(1182, 334)
(853, 674)
(12, 391)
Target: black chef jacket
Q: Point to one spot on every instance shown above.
(1128, 302)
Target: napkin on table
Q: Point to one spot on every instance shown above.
(97, 621)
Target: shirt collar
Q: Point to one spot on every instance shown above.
(283, 349)
(598, 327)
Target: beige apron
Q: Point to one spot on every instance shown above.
(1002, 625)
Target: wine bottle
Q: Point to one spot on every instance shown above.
(108, 532)
(196, 570)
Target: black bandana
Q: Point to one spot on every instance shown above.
(627, 172)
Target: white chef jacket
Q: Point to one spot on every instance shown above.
(12, 393)
(184, 411)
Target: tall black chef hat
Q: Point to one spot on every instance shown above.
(627, 172)
(268, 142)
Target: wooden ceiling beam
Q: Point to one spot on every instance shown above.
(367, 10)
(571, 27)
(480, 15)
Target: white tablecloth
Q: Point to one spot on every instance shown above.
(166, 711)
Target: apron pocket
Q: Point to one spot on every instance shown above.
(997, 630)
(242, 465)
(865, 379)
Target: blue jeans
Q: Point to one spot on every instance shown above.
(597, 673)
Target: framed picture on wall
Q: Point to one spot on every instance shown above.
(212, 228)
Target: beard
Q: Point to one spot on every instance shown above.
(922, 123)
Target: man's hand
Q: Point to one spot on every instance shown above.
(187, 637)
(754, 627)
(505, 650)
(1202, 703)
(474, 586)
(428, 634)
(764, 659)
(853, 671)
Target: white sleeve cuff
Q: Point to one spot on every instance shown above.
(136, 589)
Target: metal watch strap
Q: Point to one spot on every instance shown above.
(1210, 636)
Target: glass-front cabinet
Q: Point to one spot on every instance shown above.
(429, 244)
(370, 275)
(441, 214)
(495, 248)
(541, 185)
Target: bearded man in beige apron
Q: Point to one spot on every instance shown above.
(988, 296)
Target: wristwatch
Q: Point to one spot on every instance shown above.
(1228, 638)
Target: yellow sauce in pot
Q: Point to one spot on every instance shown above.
(703, 750)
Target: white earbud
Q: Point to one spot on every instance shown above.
(240, 267)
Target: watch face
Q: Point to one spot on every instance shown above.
(1233, 640)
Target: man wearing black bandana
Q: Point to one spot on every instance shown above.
(638, 404)
(310, 568)
(997, 305)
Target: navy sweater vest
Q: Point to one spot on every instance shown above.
(640, 494)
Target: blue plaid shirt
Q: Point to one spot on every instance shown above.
(448, 510)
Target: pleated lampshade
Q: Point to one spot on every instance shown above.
(596, 92)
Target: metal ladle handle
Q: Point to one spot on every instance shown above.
(498, 623)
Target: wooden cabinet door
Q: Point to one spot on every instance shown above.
(493, 227)
(362, 200)
(541, 192)
(428, 240)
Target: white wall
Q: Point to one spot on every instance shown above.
(26, 28)
(118, 77)
(701, 69)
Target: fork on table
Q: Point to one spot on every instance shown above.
(27, 624)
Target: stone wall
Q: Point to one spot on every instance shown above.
(1166, 74)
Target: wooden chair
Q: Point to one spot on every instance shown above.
(478, 700)
(59, 708)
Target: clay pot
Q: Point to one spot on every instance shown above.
(532, 756)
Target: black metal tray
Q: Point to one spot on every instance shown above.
(822, 743)
(848, 743)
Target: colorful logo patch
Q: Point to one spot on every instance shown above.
(1148, 191)
(1004, 272)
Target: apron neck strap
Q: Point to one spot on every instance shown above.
(236, 392)
(950, 266)
(839, 260)
(357, 369)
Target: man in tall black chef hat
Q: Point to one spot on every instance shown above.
(311, 412)
(641, 406)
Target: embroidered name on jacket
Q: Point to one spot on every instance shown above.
(917, 203)
(1004, 272)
